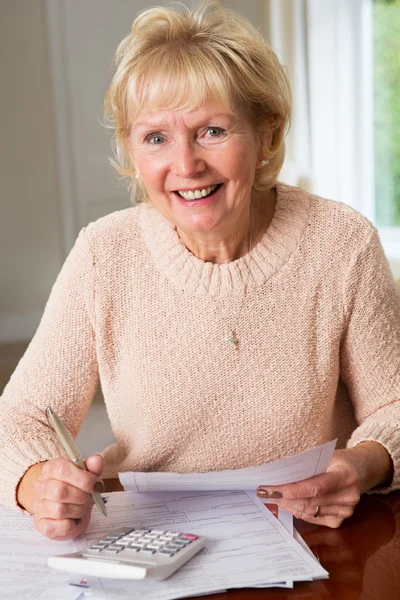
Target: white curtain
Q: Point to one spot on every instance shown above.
(286, 30)
(327, 49)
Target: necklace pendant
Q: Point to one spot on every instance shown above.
(231, 339)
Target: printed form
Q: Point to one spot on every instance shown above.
(24, 574)
(286, 470)
(247, 545)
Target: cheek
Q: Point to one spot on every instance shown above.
(241, 162)
(152, 171)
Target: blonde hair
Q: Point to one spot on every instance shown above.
(177, 58)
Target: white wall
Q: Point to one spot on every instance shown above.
(55, 62)
(30, 228)
(83, 39)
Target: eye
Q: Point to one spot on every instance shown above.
(215, 132)
(155, 138)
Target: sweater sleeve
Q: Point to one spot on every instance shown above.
(370, 352)
(58, 369)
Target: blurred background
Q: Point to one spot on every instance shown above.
(56, 59)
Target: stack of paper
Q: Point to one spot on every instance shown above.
(287, 470)
(248, 546)
(24, 574)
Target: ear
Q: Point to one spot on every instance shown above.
(265, 142)
(128, 147)
(134, 166)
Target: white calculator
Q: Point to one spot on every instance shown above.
(130, 553)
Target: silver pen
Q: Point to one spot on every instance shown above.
(72, 451)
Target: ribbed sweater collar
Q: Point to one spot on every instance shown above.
(184, 270)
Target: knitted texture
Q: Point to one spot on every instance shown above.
(318, 332)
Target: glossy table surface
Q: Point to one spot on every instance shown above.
(362, 556)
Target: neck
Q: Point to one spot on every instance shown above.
(238, 241)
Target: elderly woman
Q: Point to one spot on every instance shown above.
(231, 319)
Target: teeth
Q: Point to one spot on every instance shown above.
(200, 193)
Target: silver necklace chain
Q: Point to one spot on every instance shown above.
(232, 336)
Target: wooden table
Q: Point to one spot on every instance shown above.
(362, 556)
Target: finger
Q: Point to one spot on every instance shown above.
(95, 464)
(63, 470)
(307, 511)
(328, 520)
(59, 491)
(349, 497)
(314, 487)
(61, 529)
(59, 510)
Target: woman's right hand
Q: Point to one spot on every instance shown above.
(58, 494)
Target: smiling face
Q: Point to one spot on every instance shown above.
(198, 167)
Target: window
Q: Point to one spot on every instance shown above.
(353, 83)
(386, 84)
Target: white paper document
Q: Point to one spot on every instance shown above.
(287, 470)
(247, 545)
(24, 574)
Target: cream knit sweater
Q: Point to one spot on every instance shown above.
(319, 334)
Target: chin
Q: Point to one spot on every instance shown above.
(198, 224)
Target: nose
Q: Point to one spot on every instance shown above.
(188, 160)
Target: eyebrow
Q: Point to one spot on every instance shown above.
(160, 123)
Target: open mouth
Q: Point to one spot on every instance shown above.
(200, 193)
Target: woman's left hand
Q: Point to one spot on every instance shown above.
(330, 498)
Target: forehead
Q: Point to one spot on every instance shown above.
(156, 116)
(188, 91)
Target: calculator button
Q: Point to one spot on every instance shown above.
(151, 536)
(190, 536)
(95, 549)
(173, 533)
(148, 550)
(113, 549)
(182, 542)
(100, 543)
(132, 548)
(167, 552)
(158, 531)
(142, 531)
(123, 531)
(121, 543)
(172, 547)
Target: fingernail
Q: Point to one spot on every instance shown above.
(98, 454)
(78, 521)
(263, 493)
(269, 493)
(99, 487)
(275, 495)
